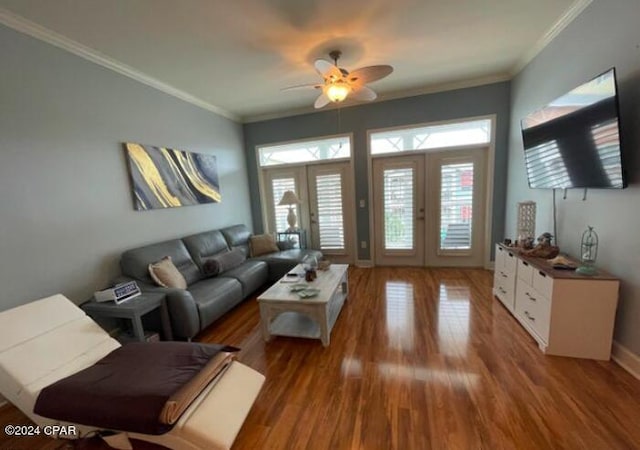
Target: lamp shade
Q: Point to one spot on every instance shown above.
(289, 198)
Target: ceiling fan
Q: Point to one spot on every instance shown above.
(338, 83)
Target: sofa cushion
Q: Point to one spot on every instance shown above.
(165, 274)
(135, 262)
(220, 263)
(214, 297)
(262, 244)
(204, 245)
(251, 274)
(237, 236)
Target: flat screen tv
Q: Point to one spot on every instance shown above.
(574, 141)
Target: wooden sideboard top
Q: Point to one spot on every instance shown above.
(543, 265)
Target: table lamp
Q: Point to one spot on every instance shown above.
(289, 198)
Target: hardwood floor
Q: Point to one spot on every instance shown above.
(419, 359)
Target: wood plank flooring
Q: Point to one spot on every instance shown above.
(419, 359)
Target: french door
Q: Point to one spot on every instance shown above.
(398, 184)
(429, 208)
(326, 208)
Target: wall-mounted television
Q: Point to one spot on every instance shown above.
(574, 141)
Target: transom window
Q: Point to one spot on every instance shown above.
(456, 134)
(305, 151)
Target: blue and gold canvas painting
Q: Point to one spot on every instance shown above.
(168, 178)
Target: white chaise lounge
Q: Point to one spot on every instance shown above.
(49, 339)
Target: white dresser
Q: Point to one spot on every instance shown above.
(568, 314)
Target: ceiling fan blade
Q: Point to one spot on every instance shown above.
(363, 93)
(302, 86)
(369, 74)
(321, 101)
(327, 70)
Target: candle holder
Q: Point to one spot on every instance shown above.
(588, 252)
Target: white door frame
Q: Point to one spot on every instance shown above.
(416, 255)
(489, 180)
(264, 206)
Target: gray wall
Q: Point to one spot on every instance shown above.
(65, 202)
(606, 34)
(455, 104)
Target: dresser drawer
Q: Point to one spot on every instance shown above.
(500, 255)
(542, 283)
(505, 293)
(534, 309)
(525, 271)
(510, 262)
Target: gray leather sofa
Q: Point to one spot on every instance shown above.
(208, 298)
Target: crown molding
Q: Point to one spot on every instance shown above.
(430, 89)
(570, 14)
(25, 26)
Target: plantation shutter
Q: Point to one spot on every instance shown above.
(456, 206)
(398, 208)
(330, 213)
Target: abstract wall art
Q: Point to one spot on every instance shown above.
(168, 178)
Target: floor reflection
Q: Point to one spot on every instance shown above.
(453, 378)
(453, 319)
(399, 314)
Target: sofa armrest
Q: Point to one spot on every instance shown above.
(183, 312)
(185, 319)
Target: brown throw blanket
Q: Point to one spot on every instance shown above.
(139, 387)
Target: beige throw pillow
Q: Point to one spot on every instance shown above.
(262, 244)
(165, 274)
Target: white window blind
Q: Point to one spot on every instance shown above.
(330, 214)
(398, 208)
(607, 141)
(278, 187)
(545, 165)
(456, 206)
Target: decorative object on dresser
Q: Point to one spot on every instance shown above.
(588, 252)
(543, 249)
(526, 223)
(568, 314)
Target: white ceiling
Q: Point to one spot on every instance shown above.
(234, 57)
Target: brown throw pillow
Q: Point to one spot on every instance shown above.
(165, 274)
(210, 266)
(262, 244)
(214, 265)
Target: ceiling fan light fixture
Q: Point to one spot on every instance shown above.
(337, 92)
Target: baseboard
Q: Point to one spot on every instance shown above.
(364, 263)
(626, 359)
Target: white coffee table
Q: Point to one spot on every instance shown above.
(284, 313)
